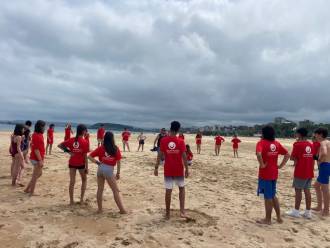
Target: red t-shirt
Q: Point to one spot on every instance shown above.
(50, 136)
(37, 143)
(303, 152)
(78, 150)
(173, 148)
(105, 158)
(270, 150)
(218, 140)
(198, 139)
(125, 135)
(235, 142)
(316, 147)
(67, 134)
(181, 136)
(190, 155)
(100, 133)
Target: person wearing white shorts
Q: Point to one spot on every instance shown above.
(170, 181)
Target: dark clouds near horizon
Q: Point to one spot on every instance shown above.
(148, 62)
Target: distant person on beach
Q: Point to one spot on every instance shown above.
(189, 155)
(141, 139)
(218, 142)
(37, 155)
(108, 157)
(181, 135)
(50, 139)
(100, 135)
(125, 138)
(235, 141)
(173, 150)
(322, 183)
(16, 153)
(67, 132)
(78, 148)
(26, 141)
(199, 142)
(302, 155)
(157, 141)
(267, 151)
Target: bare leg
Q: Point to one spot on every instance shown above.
(298, 198)
(142, 148)
(124, 146)
(83, 176)
(99, 195)
(20, 173)
(268, 210)
(139, 148)
(319, 197)
(308, 199)
(71, 185)
(128, 147)
(50, 149)
(47, 147)
(37, 172)
(15, 170)
(276, 205)
(325, 193)
(113, 185)
(168, 195)
(182, 195)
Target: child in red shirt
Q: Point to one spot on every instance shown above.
(100, 135)
(78, 148)
(108, 157)
(67, 132)
(235, 142)
(50, 139)
(189, 155)
(125, 137)
(173, 150)
(267, 151)
(199, 142)
(302, 155)
(37, 155)
(218, 142)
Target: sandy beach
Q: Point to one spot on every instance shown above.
(220, 198)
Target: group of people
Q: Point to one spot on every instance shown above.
(176, 157)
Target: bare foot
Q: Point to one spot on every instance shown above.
(167, 216)
(279, 220)
(264, 222)
(26, 191)
(183, 215)
(100, 211)
(317, 209)
(71, 203)
(123, 212)
(325, 213)
(21, 185)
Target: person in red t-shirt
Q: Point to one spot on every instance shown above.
(108, 157)
(267, 151)
(100, 135)
(218, 141)
(67, 132)
(181, 136)
(78, 148)
(199, 142)
(235, 142)
(302, 155)
(173, 151)
(125, 136)
(37, 155)
(50, 139)
(189, 155)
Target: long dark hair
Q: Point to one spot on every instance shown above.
(268, 133)
(39, 127)
(19, 129)
(109, 144)
(81, 128)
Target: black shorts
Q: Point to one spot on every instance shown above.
(141, 142)
(77, 167)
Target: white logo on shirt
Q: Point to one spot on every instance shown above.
(76, 145)
(308, 149)
(171, 145)
(273, 147)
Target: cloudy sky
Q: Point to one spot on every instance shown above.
(148, 62)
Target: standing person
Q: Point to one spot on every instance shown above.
(267, 151)
(16, 153)
(125, 137)
(173, 150)
(100, 135)
(189, 155)
(26, 140)
(302, 155)
(37, 155)
(109, 156)
(322, 183)
(141, 139)
(218, 142)
(199, 142)
(181, 136)
(78, 148)
(235, 142)
(50, 139)
(67, 132)
(316, 148)
(157, 141)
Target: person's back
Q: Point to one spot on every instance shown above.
(325, 149)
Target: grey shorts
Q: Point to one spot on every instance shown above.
(170, 181)
(105, 171)
(34, 162)
(299, 183)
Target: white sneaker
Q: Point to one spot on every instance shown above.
(294, 213)
(307, 214)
